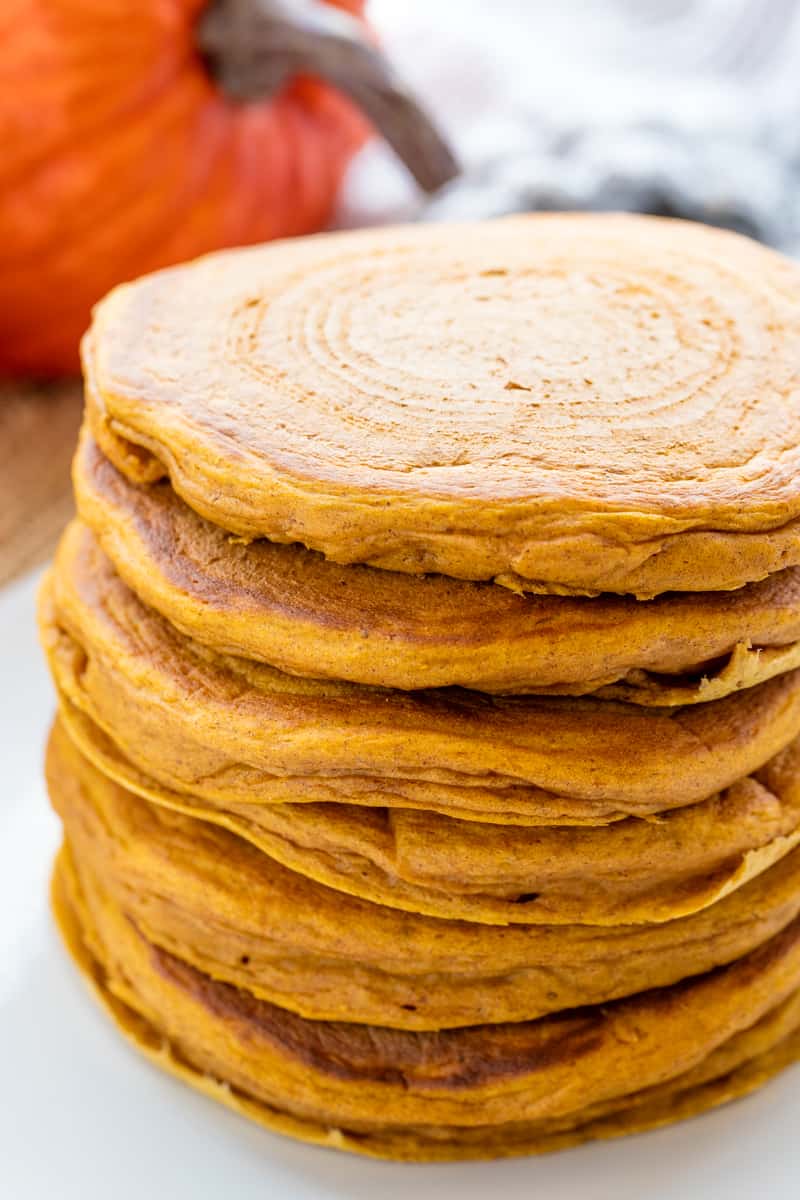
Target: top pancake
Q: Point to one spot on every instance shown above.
(589, 403)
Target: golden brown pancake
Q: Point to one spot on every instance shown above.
(226, 729)
(581, 402)
(630, 871)
(474, 1092)
(291, 608)
(211, 898)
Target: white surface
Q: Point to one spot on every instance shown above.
(84, 1118)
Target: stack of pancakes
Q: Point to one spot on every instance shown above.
(428, 656)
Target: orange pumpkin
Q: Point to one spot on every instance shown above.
(121, 154)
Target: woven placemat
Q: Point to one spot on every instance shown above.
(38, 428)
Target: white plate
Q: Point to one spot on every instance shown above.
(83, 1118)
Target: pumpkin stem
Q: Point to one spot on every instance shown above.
(254, 46)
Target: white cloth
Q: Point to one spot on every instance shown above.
(689, 107)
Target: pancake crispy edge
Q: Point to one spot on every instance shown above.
(289, 607)
(228, 728)
(213, 899)
(425, 1142)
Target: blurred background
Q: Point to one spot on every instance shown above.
(687, 107)
(142, 132)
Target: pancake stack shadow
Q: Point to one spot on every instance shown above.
(427, 649)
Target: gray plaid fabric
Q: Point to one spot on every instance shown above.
(679, 107)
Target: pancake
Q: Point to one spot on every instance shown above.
(474, 1092)
(293, 609)
(631, 871)
(227, 729)
(200, 893)
(583, 402)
